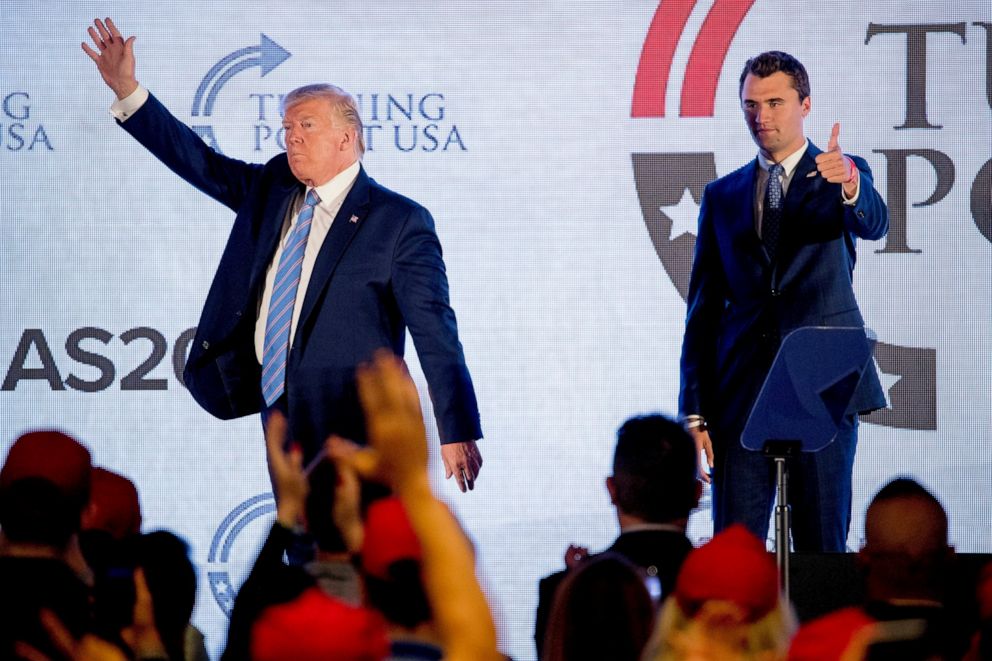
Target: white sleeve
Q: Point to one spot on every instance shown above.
(124, 108)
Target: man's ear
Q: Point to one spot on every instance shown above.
(611, 487)
(347, 140)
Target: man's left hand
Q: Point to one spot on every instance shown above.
(464, 461)
(837, 168)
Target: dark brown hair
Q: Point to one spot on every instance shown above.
(773, 61)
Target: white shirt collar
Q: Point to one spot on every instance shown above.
(788, 163)
(341, 182)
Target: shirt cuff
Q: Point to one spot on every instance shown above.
(122, 109)
(854, 198)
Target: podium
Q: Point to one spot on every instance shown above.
(801, 405)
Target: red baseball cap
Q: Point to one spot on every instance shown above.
(53, 456)
(316, 627)
(734, 567)
(114, 505)
(389, 537)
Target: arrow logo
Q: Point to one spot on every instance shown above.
(267, 55)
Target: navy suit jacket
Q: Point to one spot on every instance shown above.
(373, 277)
(741, 304)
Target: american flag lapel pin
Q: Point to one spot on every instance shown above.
(353, 219)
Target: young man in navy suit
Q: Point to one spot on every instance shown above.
(362, 264)
(775, 252)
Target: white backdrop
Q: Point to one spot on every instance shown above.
(518, 126)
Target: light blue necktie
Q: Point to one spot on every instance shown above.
(280, 317)
(771, 217)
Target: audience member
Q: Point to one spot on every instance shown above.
(391, 569)
(114, 507)
(653, 489)
(421, 600)
(164, 559)
(332, 566)
(44, 487)
(907, 564)
(602, 610)
(110, 521)
(314, 627)
(726, 604)
(981, 643)
(397, 457)
(141, 637)
(843, 635)
(278, 604)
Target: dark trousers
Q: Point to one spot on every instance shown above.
(819, 491)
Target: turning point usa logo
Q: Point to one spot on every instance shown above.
(674, 182)
(394, 121)
(18, 131)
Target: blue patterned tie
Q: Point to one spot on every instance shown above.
(280, 318)
(771, 217)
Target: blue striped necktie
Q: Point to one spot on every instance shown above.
(771, 217)
(280, 317)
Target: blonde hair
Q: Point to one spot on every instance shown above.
(342, 103)
(720, 628)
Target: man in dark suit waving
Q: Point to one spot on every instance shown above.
(775, 252)
(322, 268)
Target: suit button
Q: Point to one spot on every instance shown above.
(205, 345)
(237, 315)
(776, 293)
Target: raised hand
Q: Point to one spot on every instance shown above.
(114, 57)
(835, 167)
(575, 554)
(286, 470)
(347, 512)
(397, 452)
(142, 636)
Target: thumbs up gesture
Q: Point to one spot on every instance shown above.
(837, 168)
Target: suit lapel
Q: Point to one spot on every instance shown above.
(744, 226)
(346, 224)
(804, 179)
(270, 229)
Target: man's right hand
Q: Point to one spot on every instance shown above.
(114, 57)
(704, 446)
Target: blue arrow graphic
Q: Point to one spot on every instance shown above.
(267, 55)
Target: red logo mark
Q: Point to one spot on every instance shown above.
(702, 71)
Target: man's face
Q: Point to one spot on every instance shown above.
(318, 143)
(774, 114)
